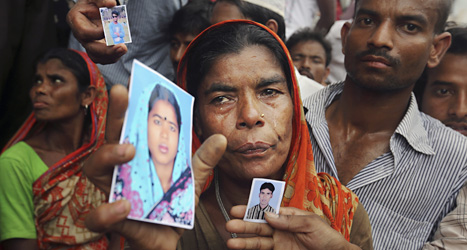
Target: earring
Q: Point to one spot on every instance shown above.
(262, 115)
(85, 109)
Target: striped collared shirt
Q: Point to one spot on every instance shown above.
(257, 213)
(408, 190)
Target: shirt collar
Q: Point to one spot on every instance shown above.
(411, 127)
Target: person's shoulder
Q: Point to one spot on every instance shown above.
(20, 151)
(443, 137)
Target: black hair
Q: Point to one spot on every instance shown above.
(115, 12)
(259, 14)
(73, 61)
(229, 38)
(444, 9)
(191, 18)
(162, 93)
(458, 47)
(267, 185)
(459, 41)
(307, 34)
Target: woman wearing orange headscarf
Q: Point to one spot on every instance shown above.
(242, 78)
(44, 195)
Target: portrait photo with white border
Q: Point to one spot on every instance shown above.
(265, 196)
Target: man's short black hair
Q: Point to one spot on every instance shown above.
(259, 14)
(115, 12)
(191, 18)
(267, 185)
(458, 47)
(307, 34)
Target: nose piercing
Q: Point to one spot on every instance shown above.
(262, 115)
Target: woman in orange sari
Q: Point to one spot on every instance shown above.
(43, 191)
(241, 76)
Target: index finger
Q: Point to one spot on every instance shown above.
(118, 102)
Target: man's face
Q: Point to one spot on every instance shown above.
(310, 59)
(390, 42)
(114, 17)
(178, 45)
(445, 95)
(265, 196)
(223, 11)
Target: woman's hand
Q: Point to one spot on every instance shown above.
(85, 23)
(292, 229)
(99, 169)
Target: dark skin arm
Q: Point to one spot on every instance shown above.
(14, 244)
(327, 9)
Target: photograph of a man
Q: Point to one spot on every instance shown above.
(265, 195)
(116, 28)
(115, 25)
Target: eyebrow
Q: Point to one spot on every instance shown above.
(404, 17)
(441, 83)
(160, 117)
(263, 82)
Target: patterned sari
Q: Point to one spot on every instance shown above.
(305, 189)
(63, 196)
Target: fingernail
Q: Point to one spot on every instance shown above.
(272, 215)
(120, 207)
(121, 150)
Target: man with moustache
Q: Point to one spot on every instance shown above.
(311, 54)
(442, 94)
(406, 167)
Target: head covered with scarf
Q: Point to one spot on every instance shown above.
(63, 196)
(305, 189)
(138, 180)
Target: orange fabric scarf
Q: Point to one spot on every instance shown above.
(305, 189)
(63, 196)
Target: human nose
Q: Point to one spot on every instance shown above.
(179, 53)
(382, 36)
(306, 63)
(458, 108)
(165, 129)
(41, 88)
(249, 114)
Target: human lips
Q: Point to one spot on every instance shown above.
(39, 104)
(253, 149)
(376, 61)
(163, 148)
(460, 127)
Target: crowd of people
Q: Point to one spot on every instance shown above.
(374, 160)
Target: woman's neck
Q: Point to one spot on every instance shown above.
(165, 175)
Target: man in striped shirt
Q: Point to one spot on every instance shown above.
(265, 195)
(367, 131)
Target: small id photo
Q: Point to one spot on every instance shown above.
(115, 24)
(158, 181)
(265, 196)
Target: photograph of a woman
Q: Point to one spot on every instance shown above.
(158, 181)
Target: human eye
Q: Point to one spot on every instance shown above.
(442, 92)
(56, 80)
(38, 80)
(269, 92)
(410, 27)
(157, 121)
(297, 58)
(219, 100)
(365, 21)
(174, 44)
(172, 128)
